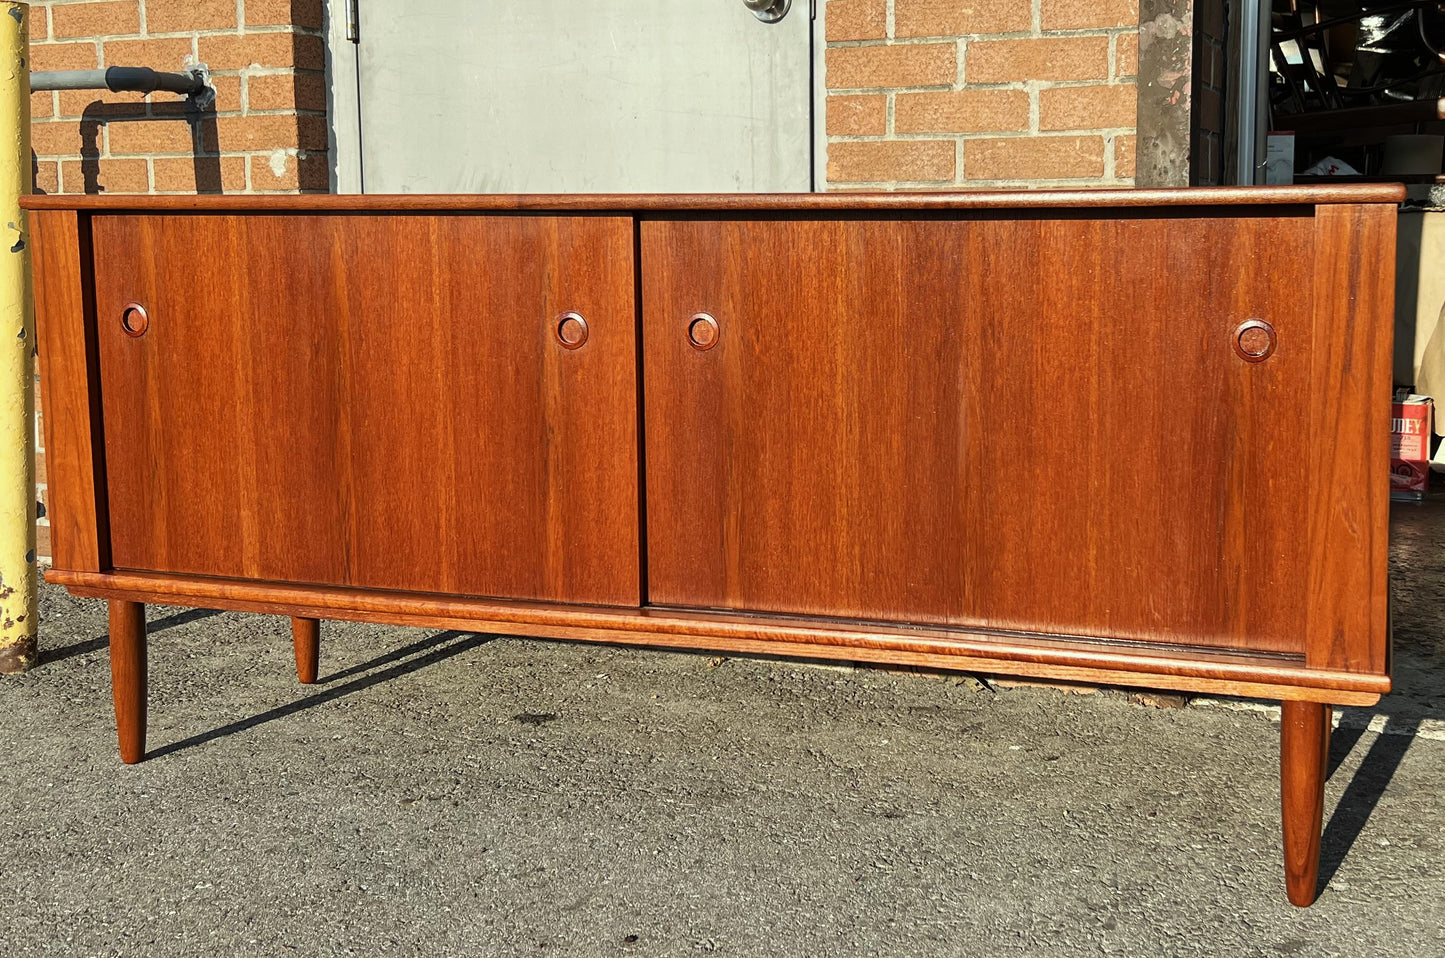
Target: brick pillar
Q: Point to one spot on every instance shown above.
(1166, 90)
(944, 94)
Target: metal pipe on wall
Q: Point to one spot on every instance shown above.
(1253, 89)
(118, 79)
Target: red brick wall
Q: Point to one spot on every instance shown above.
(267, 132)
(980, 93)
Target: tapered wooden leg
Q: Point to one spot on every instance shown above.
(128, 676)
(306, 636)
(1304, 748)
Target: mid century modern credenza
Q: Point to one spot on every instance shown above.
(1128, 437)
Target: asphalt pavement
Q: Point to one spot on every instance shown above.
(443, 794)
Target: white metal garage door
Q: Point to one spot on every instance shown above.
(501, 96)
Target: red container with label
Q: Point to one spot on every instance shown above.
(1410, 448)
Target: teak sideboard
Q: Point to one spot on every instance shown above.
(1127, 437)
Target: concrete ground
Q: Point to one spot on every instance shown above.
(449, 794)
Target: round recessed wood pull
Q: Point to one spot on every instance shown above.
(571, 330)
(134, 319)
(703, 331)
(1254, 340)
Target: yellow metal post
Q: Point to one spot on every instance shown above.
(17, 351)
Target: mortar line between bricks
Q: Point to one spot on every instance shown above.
(233, 32)
(993, 86)
(942, 38)
(945, 186)
(980, 135)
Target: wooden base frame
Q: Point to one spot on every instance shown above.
(1026, 655)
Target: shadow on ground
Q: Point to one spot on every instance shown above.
(1417, 592)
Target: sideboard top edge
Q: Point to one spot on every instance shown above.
(729, 202)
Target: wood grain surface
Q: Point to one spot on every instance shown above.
(1348, 484)
(1037, 435)
(373, 401)
(741, 202)
(128, 677)
(1034, 424)
(70, 389)
(306, 643)
(1304, 752)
